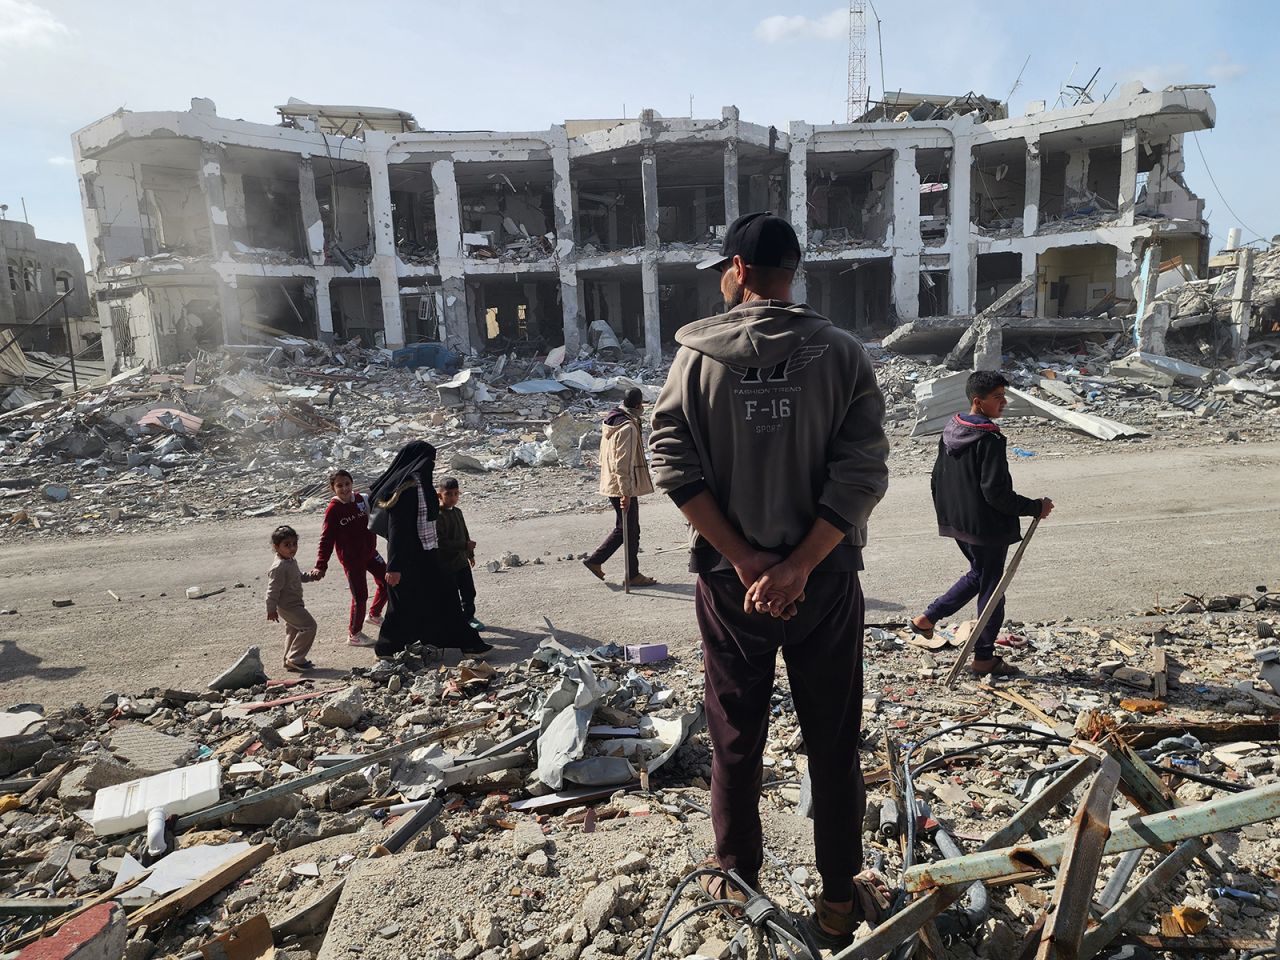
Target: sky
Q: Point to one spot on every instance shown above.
(516, 65)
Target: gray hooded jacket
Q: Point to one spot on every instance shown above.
(776, 412)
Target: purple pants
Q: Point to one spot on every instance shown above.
(822, 648)
(986, 567)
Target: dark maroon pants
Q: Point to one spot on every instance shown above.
(822, 648)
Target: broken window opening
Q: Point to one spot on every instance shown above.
(934, 169)
(997, 273)
(276, 307)
(618, 302)
(177, 210)
(121, 330)
(29, 276)
(421, 308)
(344, 195)
(850, 199)
(935, 293)
(272, 220)
(62, 283)
(1075, 281)
(13, 276)
(998, 187)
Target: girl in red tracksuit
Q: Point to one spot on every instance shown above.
(346, 529)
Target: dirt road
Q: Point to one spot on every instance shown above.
(1132, 525)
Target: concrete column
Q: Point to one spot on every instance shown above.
(1241, 305)
(612, 290)
(575, 329)
(904, 238)
(211, 157)
(798, 204)
(1126, 271)
(700, 217)
(1077, 180)
(1153, 327)
(960, 230)
(1030, 272)
(376, 145)
(1149, 277)
(731, 205)
(456, 319)
(649, 259)
(311, 220)
(228, 309)
(233, 191)
(1031, 194)
(324, 308)
(652, 307)
(1128, 195)
(649, 189)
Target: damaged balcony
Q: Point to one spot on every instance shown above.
(934, 169)
(508, 211)
(850, 199)
(855, 296)
(998, 188)
(413, 214)
(609, 202)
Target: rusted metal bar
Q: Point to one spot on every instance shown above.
(912, 917)
(1170, 826)
(1073, 893)
(1149, 793)
(1157, 881)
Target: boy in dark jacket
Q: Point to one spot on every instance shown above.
(457, 549)
(978, 508)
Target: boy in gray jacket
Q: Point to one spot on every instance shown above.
(769, 437)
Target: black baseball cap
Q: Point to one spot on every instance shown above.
(761, 240)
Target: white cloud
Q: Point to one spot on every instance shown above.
(60, 161)
(1226, 69)
(829, 26)
(26, 24)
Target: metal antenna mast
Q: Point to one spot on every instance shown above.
(857, 59)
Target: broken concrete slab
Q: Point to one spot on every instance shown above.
(148, 751)
(343, 709)
(245, 672)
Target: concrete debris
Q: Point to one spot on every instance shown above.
(245, 672)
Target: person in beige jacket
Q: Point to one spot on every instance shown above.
(624, 479)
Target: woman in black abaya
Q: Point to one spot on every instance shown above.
(417, 586)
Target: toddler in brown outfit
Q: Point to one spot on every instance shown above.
(284, 600)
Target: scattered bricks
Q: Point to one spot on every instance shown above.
(1138, 679)
(634, 862)
(266, 812)
(486, 930)
(97, 934)
(600, 904)
(343, 709)
(526, 838)
(528, 949)
(348, 791)
(538, 863)
(245, 672)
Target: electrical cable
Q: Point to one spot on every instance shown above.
(1196, 139)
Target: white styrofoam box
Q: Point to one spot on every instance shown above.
(124, 807)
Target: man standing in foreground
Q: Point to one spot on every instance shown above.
(769, 437)
(624, 479)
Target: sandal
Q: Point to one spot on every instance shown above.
(920, 631)
(718, 887)
(871, 903)
(998, 668)
(1013, 641)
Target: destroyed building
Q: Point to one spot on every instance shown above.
(351, 221)
(37, 273)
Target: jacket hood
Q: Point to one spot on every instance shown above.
(964, 430)
(759, 334)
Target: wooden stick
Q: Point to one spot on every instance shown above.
(1021, 701)
(992, 602)
(201, 889)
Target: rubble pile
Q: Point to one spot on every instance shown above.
(553, 807)
(255, 431)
